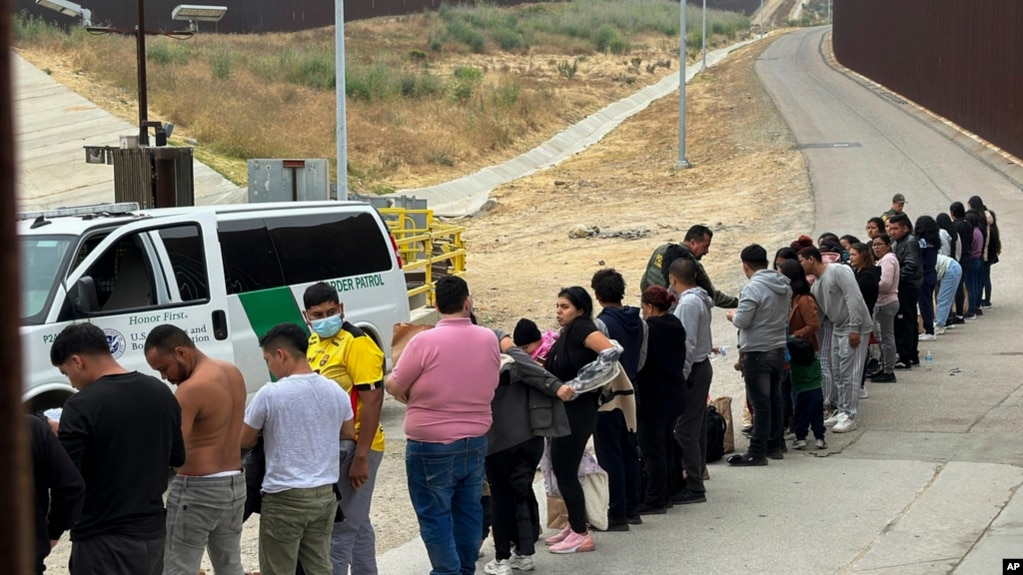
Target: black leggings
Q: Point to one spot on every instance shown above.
(516, 514)
(567, 452)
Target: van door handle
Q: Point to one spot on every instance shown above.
(219, 324)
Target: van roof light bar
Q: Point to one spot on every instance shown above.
(78, 211)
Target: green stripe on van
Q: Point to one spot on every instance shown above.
(267, 308)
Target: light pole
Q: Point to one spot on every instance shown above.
(704, 34)
(191, 12)
(761, 18)
(682, 163)
(340, 100)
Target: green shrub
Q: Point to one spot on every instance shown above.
(167, 52)
(468, 73)
(220, 63)
(507, 92)
(311, 66)
(464, 33)
(567, 70)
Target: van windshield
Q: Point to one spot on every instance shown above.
(42, 258)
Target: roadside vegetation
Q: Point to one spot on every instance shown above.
(430, 96)
(815, 13)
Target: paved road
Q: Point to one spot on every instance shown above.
(53, 124)
(928, 484)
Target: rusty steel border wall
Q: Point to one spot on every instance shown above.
(961, 59)
(244, 16)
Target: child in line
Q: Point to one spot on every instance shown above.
(527, 336)
(806, 386)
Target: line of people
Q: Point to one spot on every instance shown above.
(482, 403)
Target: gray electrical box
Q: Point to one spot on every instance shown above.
(278, 180)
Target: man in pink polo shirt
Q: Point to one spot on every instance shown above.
(447, 376)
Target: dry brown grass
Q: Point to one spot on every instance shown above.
(249, 96)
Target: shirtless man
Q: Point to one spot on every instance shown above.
(207, 497)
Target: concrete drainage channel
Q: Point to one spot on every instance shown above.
(468, 194)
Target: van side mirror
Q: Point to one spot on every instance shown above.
(85, 298)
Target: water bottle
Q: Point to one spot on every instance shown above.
(928, 361)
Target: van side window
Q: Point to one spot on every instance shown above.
(317, 247)
(250, 260)
(123, 276)
(188, 261)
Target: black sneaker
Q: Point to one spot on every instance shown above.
(883, 378)
(901, 365)
(635, 520)
(746, 460)
(776, 454)
(615, 525)
(689, 496)
(959, 320)
(647, 509)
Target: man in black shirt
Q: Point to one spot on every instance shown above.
(123, 432)
(59, 489)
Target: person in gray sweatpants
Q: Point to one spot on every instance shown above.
(693, 310)
(840, 300)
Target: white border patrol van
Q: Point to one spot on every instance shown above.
(224, 274)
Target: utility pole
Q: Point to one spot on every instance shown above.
(761, 18)
(140, 55)
(704, 34)
(682, 163)
(340, 100)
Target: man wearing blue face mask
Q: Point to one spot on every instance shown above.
(345, 354)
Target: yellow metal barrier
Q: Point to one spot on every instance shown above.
(428, 248)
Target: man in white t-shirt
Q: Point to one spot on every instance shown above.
(303, 416)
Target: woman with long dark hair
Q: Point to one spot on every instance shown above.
(886, 308)
(945, 232)
(992, 247)
(578, 344)
(926, 231)
(661, 388)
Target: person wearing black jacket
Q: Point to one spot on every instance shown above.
(962, 244)
(527, 406)
(59, 489)
(911, 274)
(122, 430)
(930, 243)
(661, 390)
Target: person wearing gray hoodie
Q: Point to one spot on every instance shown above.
(840, 300)
(761, 317)
(694, 311)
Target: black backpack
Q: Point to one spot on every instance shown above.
(715, 434)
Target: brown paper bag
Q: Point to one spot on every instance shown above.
(724, 407)
(557, 512)
(402, 333)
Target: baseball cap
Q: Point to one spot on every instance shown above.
(899, 199)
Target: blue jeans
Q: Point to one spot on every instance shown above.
(444, 483)
(762, 372)
(947, 292)
(972, 273)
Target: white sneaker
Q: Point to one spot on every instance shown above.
(864, 394)
(835, 419)
(799, 444)
(927, 337)
(498, 567)
(849, 424)
(821, 444)
(939, 330)
(521, 562)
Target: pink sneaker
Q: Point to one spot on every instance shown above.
(574, 543)
(553, 539)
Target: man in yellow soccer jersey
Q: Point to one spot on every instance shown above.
(347, 355)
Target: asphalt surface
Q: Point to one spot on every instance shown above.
(928, 484)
